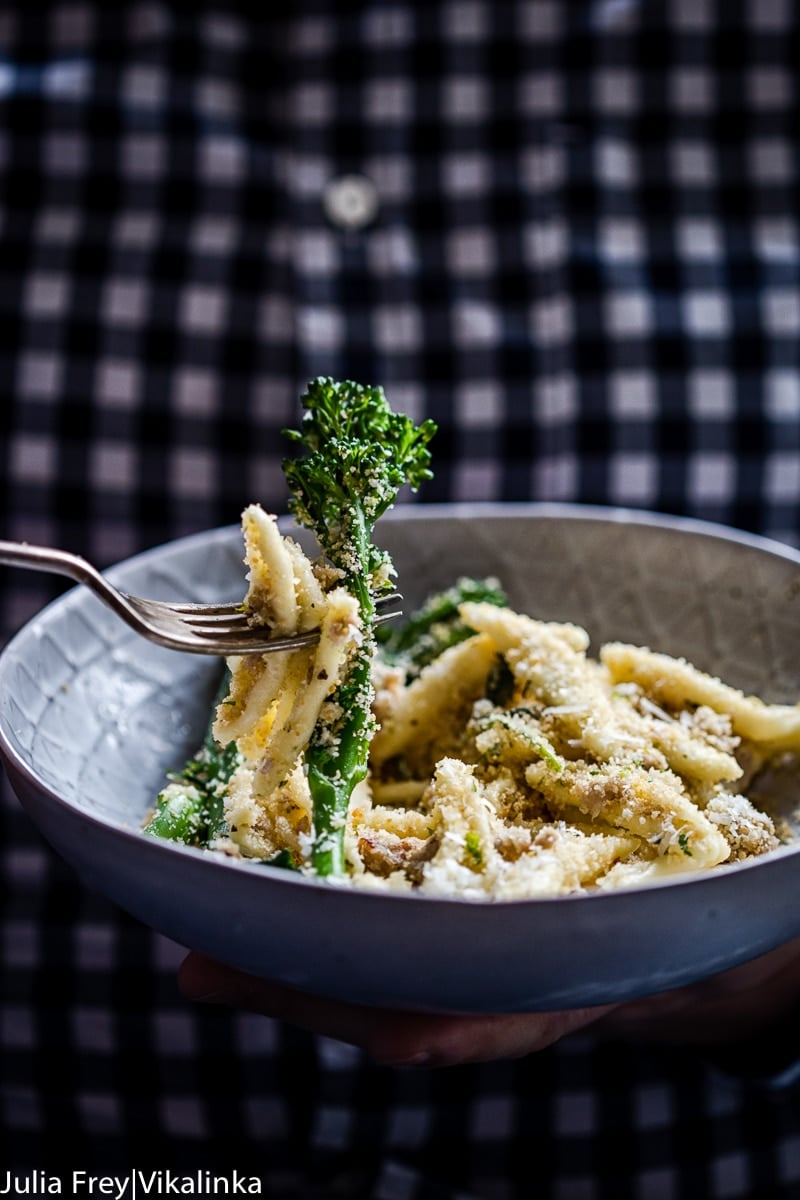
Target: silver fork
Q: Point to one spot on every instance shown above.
(197, 628)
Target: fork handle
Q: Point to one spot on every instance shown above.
(61, 562)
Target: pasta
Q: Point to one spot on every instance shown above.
(511, 764)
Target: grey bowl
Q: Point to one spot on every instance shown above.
(91, 717)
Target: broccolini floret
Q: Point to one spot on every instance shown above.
(356, 455)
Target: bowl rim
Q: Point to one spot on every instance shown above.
(14, 762)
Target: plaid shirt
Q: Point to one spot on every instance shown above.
(568, 231)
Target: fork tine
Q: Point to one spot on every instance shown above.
(218, 620)
(257, 639)
(254, 641)
(222, 618)
(236, 608)
(232, 608)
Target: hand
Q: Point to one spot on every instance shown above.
(390, 1038)
(742, 1003)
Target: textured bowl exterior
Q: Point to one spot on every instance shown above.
(91, 717)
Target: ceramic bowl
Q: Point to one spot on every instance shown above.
(92, 716)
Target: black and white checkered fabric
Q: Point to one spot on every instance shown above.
(568, 231)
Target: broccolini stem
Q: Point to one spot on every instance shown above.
(179, 817)
(334, 772)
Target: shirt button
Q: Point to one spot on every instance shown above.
(351, 201)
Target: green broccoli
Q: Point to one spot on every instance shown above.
(190, 810)
(357, 456)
